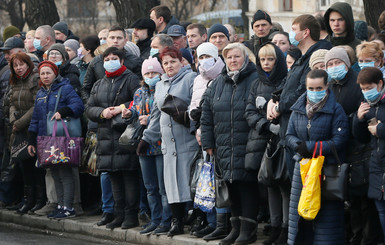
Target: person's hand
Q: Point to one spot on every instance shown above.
(274, 128)
(126, 113)
(373, 128)
(14, 128)
(271, 113)
(142, 148)
(107, 113)
(116, 110)
(143, 120)
(302, 150)
(56, 116)
(210, 151)
(198, 136)
(31, 150)
(274, 112)
(362, 110)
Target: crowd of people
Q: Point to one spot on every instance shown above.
(198, 91)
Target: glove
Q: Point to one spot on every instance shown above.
(182, 118)
(142, 148)
(302, 150)
(196, 114)
(260, 102)
(274, 128)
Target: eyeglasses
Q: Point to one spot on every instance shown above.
(52, 54)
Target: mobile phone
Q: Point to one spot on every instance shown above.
(372, 121)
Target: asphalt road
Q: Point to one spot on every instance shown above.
(11, 236)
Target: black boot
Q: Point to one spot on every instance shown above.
(117, 222)
(29, 200)
(248, 233)
(222, 230)
(203, 232)
(235, 229)
(274, 234)
(130, 221)
(282, 239)
(41, 199)
(177, 227)
(106, 218)
(198, 224)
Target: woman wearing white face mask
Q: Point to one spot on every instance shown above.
(109, 97)
(369, 54)
(210, 66)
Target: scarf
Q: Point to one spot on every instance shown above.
(116, 73)
(234, 75)
(312, 108)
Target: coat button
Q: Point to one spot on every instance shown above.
(174, 154)
(169, 125)
(172, 139)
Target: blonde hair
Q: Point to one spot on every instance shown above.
(31, 32)
(267, 50)
(370, 49)
(100, 50)
(239, 46)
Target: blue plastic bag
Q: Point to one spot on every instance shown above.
(205, 190)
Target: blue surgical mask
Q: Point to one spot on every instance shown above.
(152, 81)
(292, 39)
(58, 63)
(153, 51)
(362, 65)
(80, 55)
(102, 41)
(337, 72)
(37, 44)
(315, 96)
(288, 69)
(111, 65)
(371, 95)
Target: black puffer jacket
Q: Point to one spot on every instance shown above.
(70, 71)
(256, 118)
(95, 71)
(112, 157)
(223, 124)
(347, 13)
(145, 48)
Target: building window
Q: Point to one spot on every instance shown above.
(286, 5)
(324, 4)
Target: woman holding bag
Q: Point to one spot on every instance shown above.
(271, 68)
(69, 105)
(316, 117)
(23, 90)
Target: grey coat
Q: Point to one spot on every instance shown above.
(178, 144)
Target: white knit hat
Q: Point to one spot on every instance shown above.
(209, 49)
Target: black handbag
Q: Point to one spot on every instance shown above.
(132, 135)
(73, 125)
(334, 179)
(173, 105)
(222, 197)
(273, 169)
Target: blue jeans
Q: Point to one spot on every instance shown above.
(107, 198)
(152, 171)
(380, 205)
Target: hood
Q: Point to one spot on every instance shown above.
(213, 71)
(279, 71)
(347, 13)
(71, 35)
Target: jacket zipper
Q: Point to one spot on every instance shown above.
(308, 126)
(18, 100)
(232, 131)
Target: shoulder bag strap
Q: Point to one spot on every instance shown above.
(58, 98)
(119, 90)
(331, 143)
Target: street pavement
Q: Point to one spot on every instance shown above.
(84, 228)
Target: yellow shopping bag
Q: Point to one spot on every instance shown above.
(310, 199)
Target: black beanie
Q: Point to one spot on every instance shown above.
(62, 27)
(260, 15)
(218, 28)
(148, 24)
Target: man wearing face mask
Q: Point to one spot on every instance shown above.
(44, 39)
(158, 43)
(305, 35)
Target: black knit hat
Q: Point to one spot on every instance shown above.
(261, 15)
(218, 28)
(148, 24)
(62, 27)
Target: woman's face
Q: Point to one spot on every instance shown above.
(28, 42)
(112, 57)
(20, 67)
(289, 61)
(171, 65)
(234, 59)
(72, 54)
(47, 76)
(55, 56)
(151, 74)
(367, 87)
(267, 63)
(281, 42)
(364, 59)
(84, 51)
(319, 66)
